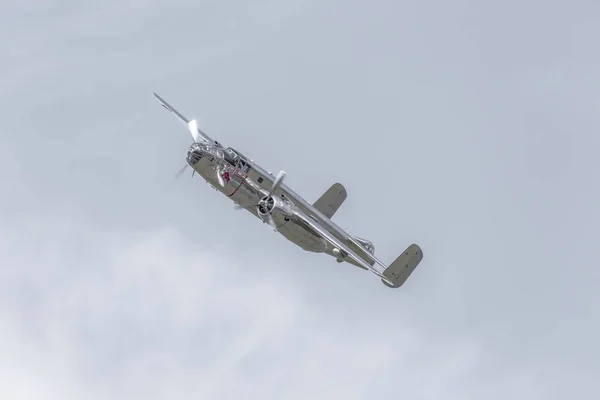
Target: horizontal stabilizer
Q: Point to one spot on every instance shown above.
(399, 271)
(331, 200)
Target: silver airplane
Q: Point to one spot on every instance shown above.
(266, 196)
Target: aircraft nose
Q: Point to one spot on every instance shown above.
(194, 156)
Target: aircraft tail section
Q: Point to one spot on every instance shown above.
(399, 271)
(368, 245)
(331, 200)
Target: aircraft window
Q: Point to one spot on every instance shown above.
(231, 156)
(241, 164)
(237, 159)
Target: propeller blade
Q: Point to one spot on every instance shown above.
(278, 181)
(193, 127)
(220, 178)
(271, 222)
(269, 217)
(241, 207)
(181, 171)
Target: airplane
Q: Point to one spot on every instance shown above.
(264, 195)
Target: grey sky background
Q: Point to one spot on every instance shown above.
(470, 128)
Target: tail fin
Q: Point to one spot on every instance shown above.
(399, 271)
(331, 200)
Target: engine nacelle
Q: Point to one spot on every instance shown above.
(280, 210)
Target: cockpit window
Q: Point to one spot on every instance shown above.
(231, 156)
(241, 164)
(237, 159)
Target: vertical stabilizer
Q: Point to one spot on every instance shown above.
(331, 200)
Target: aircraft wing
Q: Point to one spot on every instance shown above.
(314, 227)
(181, 118)
(327, 224)
(265, 180)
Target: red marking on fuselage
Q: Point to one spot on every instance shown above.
(231, 172)
(226, 176)
(236, 189)
(234, 172)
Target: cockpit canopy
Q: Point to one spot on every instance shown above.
(237, 159)
(203, 149)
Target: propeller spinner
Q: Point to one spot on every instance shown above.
(264, 202)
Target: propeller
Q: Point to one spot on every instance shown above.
(278, 180)
(276, 183)
(268, 217)
(193, 127)
(271, 222)
(181, 171)
(219, 177)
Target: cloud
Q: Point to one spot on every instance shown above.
(98, 298)
(153, 315)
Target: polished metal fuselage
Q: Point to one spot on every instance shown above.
(233, 177)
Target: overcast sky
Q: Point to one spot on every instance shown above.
(470, 128)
